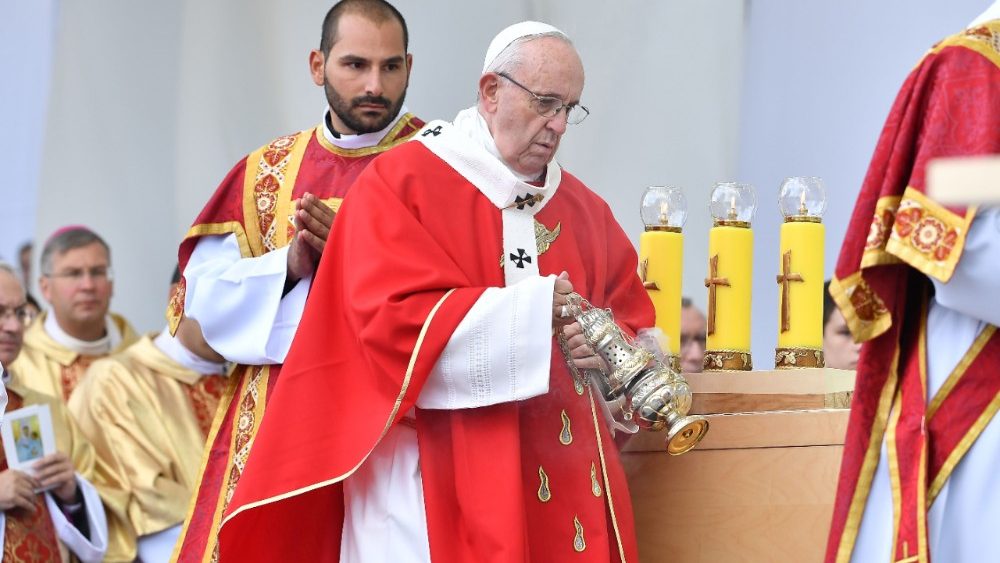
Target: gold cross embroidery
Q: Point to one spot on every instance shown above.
(711, 282)
(643, 267)
(785, 279)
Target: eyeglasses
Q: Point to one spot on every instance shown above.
(549, 106)
(76, 275)
(20, 313)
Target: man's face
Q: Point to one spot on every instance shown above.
(12, 299)
(79, 286)
(839, 349)
(365, 75)
(692, 339)
(526, 140)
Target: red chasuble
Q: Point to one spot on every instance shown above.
(897, 238)
(414, 246)
(256, 203)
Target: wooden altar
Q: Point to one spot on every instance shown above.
(760, 486)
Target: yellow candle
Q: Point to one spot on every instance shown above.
(802, 201)
(800, 285)
(661, 254)
(730, 251)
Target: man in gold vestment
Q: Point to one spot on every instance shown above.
(68, 518)
(148, 410)
(77, 282)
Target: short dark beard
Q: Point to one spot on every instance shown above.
(355, 123)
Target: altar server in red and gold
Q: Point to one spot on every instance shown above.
(248, 260)
(916, 282)
(426, 411)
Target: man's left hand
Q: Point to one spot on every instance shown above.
(584, 356)
(56, 470)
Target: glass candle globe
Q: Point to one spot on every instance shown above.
(733, 203)
(664, 208)
(802, 197)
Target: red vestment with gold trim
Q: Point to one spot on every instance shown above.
(949, 105)
(415, 246)
(255, 202)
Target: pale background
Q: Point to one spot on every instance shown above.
(124, 115)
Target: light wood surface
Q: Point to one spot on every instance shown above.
(759, 487)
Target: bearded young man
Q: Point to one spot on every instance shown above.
(427, 411)
(248, 260)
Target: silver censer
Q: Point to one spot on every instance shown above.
(656, 396)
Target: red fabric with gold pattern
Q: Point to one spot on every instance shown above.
(323, 170)
(929, 438)
(949, 105)
(399, 268)
(28, 536)
(320, 169)
(205, 395)
(70, 375)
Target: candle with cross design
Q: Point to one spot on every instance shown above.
(661, 257)
(802, 201)
(730, 275)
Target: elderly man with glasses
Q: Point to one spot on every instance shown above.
(428, 412)
(77, 329)
(50, 511)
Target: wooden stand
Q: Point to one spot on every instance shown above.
(760, 486)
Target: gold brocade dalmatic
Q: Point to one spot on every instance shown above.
(49, 367)
(70, 441)
(147, 417)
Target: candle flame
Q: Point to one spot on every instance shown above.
(803, 210)
(732, 208)
(664, 208)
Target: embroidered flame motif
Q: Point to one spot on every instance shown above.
(579, 543)
(595, 485)
(544, 493)
(565, 435)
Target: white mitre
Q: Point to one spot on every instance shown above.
(513, 33)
